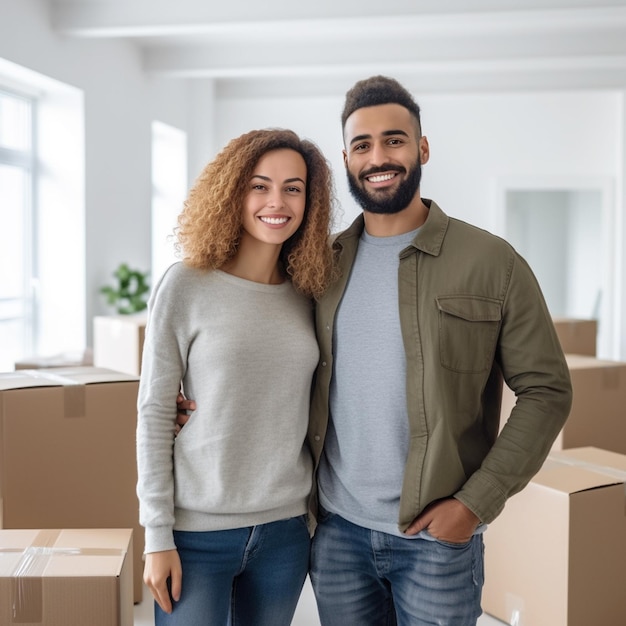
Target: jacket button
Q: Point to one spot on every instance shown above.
(317, 437)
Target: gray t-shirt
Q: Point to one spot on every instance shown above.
(365, 450)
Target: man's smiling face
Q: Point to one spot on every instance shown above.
(383, 157)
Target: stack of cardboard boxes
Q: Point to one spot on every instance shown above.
(67, 461)
(68, 471)
(556, 556)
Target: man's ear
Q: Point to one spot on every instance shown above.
(345, 157)
(424, 150)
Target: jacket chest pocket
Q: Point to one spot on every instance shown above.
(468, 332)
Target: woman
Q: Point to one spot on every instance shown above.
(224, 503)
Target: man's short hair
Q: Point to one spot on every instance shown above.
(378, 90)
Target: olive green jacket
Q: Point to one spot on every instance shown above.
(471, 314)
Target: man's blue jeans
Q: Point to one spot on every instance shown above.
(241, 577)
(372, 578)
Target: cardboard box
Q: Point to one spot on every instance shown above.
(67, 452)
(598, 414)
(577, 336)
(118, 342)
(66, 577)
(556, 556)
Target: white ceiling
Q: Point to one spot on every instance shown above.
(265, 47)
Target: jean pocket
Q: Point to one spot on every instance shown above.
(448, 544)
(453, 546)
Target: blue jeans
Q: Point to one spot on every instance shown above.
(241, 577)
(371, 578)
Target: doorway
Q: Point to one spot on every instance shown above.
(566, 235)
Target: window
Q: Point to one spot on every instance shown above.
(42, 217)
(169, 189)
(17, 262)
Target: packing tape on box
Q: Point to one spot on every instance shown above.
(515, 610)
(27, 577)
(614, 472)
(594, 467)
(74, 392)
(74, 401)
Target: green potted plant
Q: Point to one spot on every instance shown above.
(130, 294)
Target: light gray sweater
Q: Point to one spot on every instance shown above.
(246, 353)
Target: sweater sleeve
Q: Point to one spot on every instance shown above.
(534, 367)
(163, 366)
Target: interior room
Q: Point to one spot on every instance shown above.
(110, 109)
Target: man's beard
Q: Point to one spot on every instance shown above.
(384, 202)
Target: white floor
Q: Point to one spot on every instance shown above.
(306, 613)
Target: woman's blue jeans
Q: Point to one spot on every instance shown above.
(371, 578)
(243, 577)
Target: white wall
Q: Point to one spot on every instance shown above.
(120, 103)
(475, 140)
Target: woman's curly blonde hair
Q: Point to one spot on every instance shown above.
(210, 225)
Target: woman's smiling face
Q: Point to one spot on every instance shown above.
(276, 200)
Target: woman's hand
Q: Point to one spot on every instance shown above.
(161, 566)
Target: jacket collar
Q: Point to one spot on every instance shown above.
(429, 238)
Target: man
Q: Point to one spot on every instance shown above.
(429, 316)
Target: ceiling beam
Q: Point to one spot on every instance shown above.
(150, 18)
